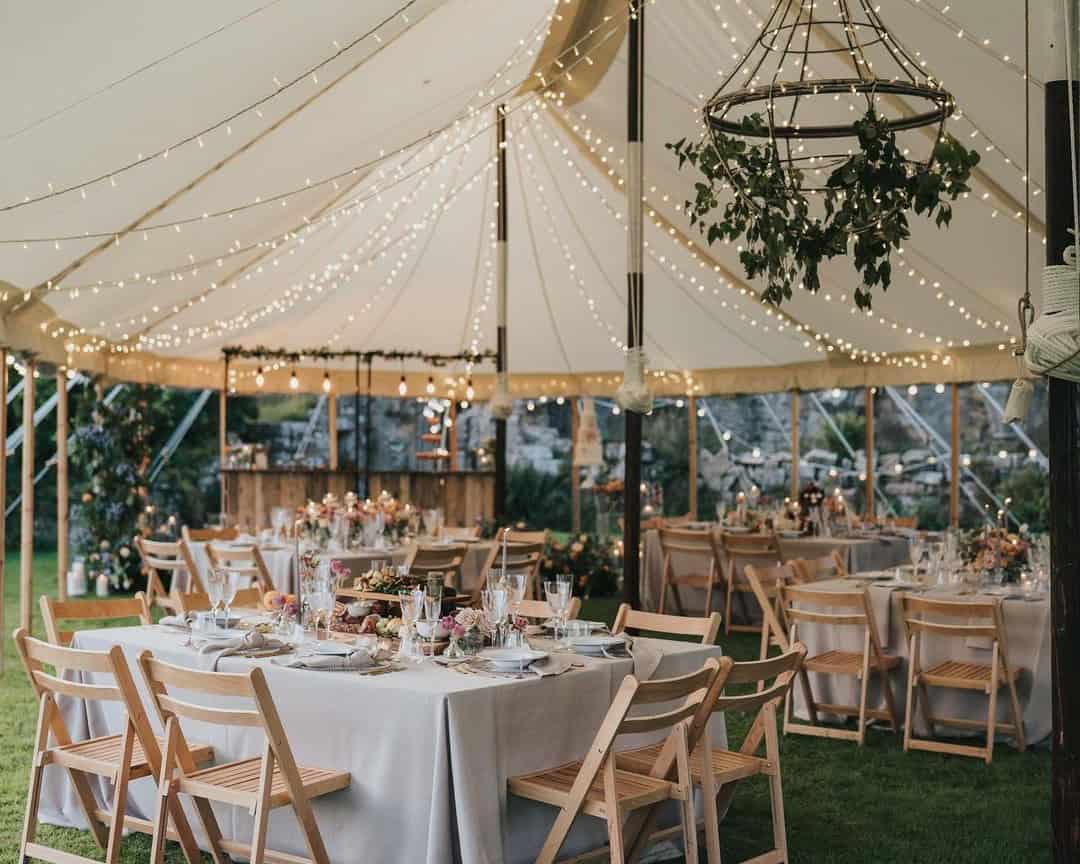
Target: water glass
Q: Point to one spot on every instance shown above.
(558, 595)
(215, 588)
(516, 584)
(496, 606)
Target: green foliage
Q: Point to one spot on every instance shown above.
(866, 201)
(111, 452)
(538, 500)
(590, 560)
(1029, 489)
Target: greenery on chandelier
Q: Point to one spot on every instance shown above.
(866, 200)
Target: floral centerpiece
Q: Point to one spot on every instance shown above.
(589, 559)
(384, 581)
(470, 628)
(995, 549)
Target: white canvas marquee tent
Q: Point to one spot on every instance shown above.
(299, 175)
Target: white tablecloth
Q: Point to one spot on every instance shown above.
(1027, 630)
(429, 751)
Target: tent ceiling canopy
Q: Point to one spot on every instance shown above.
(250, 173)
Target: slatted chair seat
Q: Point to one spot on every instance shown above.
(848, 662)
(239, 782)
(632, 789)
(964, 676)
(102, 755)
(728, 765)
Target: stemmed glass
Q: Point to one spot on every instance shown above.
(322, 604)
(215, 589)
(495, 601)
(279, 518)
(412, 607)
(228, 593)
(516, 583)
(432, 616)
(557, 593)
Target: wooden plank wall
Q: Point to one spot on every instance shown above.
(463, 496)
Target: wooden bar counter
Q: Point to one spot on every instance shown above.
(250, 494)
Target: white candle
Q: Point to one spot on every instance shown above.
(101, 585)
(506, 536)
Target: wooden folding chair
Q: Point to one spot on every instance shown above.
(167, 557)
(445, 558)
(765, 584)
(521, 556)
(243, 561)
(698, 547)
(54, 611)
(729, 767)
(672, 625)
(539, 609)
(199, 601)
(733, 549)
(597, 787)
(523, 536)
(982, 619)
(131, 755)
(208, 535)
(855, 612)
(261, 783)
(460, 532)
(829, 566)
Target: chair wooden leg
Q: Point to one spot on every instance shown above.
(913, 661)
(664, 582)
(165, 793)
(709, 589)
(614, 816)
(1018, 719)
(712, 814)
(863, 687)
(776, 789)
(262, 809)
(686, 805)
(727, 601)
(37, 772)
(991, 714)
(890, 701)
(119, 802)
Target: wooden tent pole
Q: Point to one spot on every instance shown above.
(451, 434)
(502, 351)
(954, 458)
(3, 489)
(795, 445)
(691, 455)
(635, 284)
(62, 503)
(26, 529)
(575, 471)
(1062, 183)
(331, 422)
(356, 425)
(369, 436)
(870, 507)
(223, 440)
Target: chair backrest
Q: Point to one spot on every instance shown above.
(780, 670)
(932, 617)
(523, 536)
(160, 677)
(442, 557)
(521, 556)
(686, 541)
(854, 606)
(207, 535)
(241, 561)
(673, 625)
(54, 611)
(460, 532)
(199, 601)
(737, 549)
(36, 654)
(159, 556)
(541, 610)
(816, 569)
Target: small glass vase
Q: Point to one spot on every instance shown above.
(468, 645)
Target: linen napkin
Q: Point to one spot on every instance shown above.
(553, 664)
(251, 640)
(331, 662)
(183, 621)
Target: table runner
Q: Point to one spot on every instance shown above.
(429, 751)
(1027, 631)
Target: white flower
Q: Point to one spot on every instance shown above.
(103, 545)
(124, 552)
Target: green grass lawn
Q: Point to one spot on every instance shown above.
(843, 805)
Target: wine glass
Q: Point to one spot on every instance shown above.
(432, 616)
(228, 593)
(215, 589)
(516, 584)
(916, 549)
(495, 602)
(279, 518)
(322, 604)
(557, 594)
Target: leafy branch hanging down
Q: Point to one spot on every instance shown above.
(866, 199)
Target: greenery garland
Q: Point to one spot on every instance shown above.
(866, 201)
(111, 450)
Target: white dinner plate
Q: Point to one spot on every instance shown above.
(218, 635)
(332, 648)
(511, 659)
(595, 644)
(593, 625)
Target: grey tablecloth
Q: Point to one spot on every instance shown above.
(860, 554)
(1027, 632)
(429, 751)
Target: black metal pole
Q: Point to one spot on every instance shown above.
(501, 355)
(635, 285)
(1060, 186)
(356, 425)
(367, 434)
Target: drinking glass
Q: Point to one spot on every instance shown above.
(322, 604)
(432, 615)
(558, 597)
(516, 584)
(279, 518)
(228, 592)
(215, 589)
(496, 603)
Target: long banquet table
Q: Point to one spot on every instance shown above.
(280, 560)
(429, 750)
(1027, 629)
(858, 553)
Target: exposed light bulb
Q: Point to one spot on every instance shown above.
(912, 390)
(531, 405)
(402, 388)
(430, 386)
(326, 382)
(469, 392)
(294, 382)
(260, 379)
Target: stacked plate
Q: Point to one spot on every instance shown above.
(596, 644)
